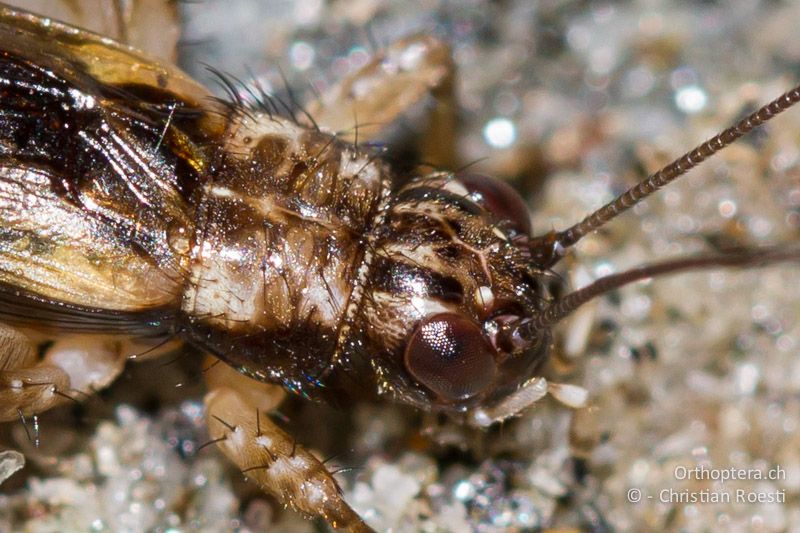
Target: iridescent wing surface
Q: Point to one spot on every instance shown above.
(101, 152)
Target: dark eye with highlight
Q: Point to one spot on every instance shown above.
(499, 198)
(450, 355)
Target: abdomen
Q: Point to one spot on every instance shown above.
(96, 181)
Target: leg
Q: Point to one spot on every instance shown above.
(150, 25)
(236, 410)
(364, 104)
(71, 368)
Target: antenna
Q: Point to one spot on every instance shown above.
(740, 258)
(549, 248)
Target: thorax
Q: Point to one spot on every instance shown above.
(282, 229)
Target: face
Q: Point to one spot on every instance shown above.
(450, 274)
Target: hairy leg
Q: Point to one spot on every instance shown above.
(149, 25)
(70, 369)
(237, 410)
(362, 106)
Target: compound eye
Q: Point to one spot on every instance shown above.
(450, 355)
(499, 198)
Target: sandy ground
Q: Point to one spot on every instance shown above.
(688, 377)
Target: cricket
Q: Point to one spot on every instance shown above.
(280, 244)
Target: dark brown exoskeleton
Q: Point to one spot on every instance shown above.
(135, 208)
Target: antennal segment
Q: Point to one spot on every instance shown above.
(747, 258)
(556, 243)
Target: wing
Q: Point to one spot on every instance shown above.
(101, 152)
